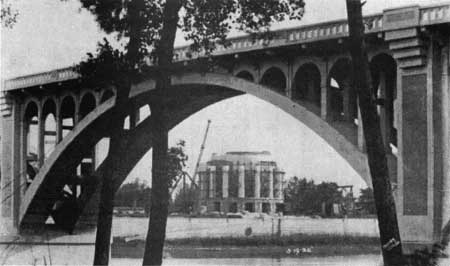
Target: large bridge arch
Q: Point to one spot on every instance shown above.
(204, 90)
(345, 148)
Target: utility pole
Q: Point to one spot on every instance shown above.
(376, 154)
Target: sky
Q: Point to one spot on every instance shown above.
(51, 34)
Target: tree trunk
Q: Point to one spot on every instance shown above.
(106, 204)
(105, 213)
(384, 201)
(160, 180)
(104, 221)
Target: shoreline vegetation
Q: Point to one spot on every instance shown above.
(296, 245)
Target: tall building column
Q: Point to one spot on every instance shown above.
(257, 181)
(225, 170)
(241, 173)
(202, 180)
(271, 174)
(212, 173)
(279, 179)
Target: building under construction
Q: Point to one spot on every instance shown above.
(237, 181)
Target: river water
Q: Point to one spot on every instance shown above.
(360, 260)
(59, 253)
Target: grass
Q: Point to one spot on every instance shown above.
(267, 240)
(255, 246)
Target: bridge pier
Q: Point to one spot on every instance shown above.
(445, 190)
(422, 136)
(10, 165)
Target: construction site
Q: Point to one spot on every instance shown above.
(233, 182)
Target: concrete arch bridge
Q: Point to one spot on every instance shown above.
(51, 126)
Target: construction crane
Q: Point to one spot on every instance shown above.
(202, 148)
(192, 177)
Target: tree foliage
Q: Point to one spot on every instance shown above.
(148, 27)
(185, 199)
(367, 201)
(176, 162)
(306, 198)
(8, 15)
(135, 194)
(204, 23)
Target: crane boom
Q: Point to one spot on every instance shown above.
(202, 148)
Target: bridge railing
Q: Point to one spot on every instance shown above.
(428, 15)
(435, 14)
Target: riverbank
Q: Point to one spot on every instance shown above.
(297, 245)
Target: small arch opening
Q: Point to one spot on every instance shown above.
(275, 79)
(126, 123)
(245, 75)
(307, 86)
(383, 69)
(144, 112)
(342, 96)
(101, 151)
(49, 116)
(87, 104)
(107, 94)
(67, 115)
(30, 141)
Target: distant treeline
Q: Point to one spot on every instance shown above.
(136, 194)
(304, 197)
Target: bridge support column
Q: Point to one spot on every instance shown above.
(134, 117)
(10, 179)
(361, 141)
(349, 100)
(324, 97)
(422, 144)
(41, 137)
(59, 123)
